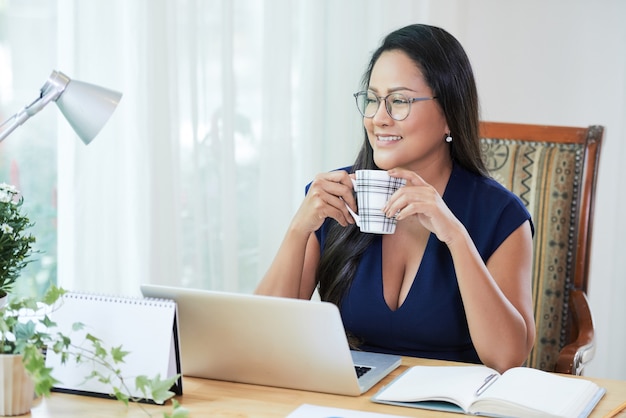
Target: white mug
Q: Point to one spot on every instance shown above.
(373, 190)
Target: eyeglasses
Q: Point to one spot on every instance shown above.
(397, 104)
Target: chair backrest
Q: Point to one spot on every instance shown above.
(553, 170)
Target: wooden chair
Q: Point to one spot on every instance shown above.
(553, 170)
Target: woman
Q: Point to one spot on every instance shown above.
(454, 281)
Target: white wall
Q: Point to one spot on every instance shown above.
(562, 62)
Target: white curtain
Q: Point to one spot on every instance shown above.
(230, 108)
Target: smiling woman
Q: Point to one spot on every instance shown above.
(461, 252)
(231, 106)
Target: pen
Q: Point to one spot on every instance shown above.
(616, 411)
(488, 380)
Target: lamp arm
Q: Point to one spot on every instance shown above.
(23, 115)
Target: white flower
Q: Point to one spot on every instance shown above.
(6, 229)
(8, 188)
(7, 192)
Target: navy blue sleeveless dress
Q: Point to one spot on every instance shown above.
(431, 322)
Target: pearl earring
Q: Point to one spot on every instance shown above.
(448, 138)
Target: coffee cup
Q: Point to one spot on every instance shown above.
(373, 190)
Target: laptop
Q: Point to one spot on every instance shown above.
(270, 341)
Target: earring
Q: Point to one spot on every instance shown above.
(448, 138)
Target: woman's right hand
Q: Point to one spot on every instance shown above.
(327, 198)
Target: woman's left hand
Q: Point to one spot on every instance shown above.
(421, 199)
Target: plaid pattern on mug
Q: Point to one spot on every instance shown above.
(373, 190)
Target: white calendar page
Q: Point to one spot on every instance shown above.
(146, 328)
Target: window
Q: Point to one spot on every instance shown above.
(229, 109)
(28, 155)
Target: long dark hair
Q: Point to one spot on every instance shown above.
(448, 72)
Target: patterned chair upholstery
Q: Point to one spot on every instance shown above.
(553, 170)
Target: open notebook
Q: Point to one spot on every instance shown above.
(270, 341)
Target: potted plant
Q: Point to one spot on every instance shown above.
(15, 242)
(27, 333)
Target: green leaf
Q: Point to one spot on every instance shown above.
(52, 295)
(160, 388)
(99, 350)
(24, 333)
(35, 365)
(178, 411)
(118, 354)
(77, 326)
(142, 383)
(47, 322)
(121, 396)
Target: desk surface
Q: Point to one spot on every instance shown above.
(213, 398)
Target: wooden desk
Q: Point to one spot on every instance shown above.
(211, 398)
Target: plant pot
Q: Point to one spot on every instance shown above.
(17, 391)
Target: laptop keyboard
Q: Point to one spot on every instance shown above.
(361, 370)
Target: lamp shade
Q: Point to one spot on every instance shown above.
(87, 107)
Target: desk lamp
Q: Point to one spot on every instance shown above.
(85, 106)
